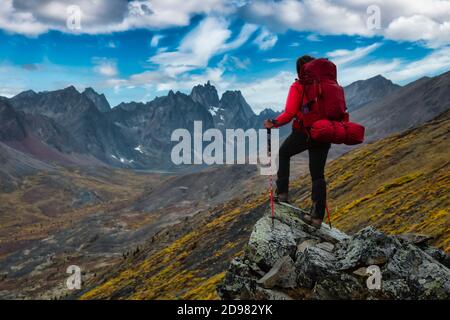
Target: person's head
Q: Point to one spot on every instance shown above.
(302, 60)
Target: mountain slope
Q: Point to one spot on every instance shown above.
(406, 107)
(398, 184)
(40, 137)
(361, 92)
(87, 127)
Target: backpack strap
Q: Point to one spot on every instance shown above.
(301, 105)
(317, 100)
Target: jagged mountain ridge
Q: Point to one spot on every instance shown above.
(133, 135)
(206, 95)
(84, 125)
(137, 135)
(39, 136)
(99, 100)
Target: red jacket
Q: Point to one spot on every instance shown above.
(293, 107)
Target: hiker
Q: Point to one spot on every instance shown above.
(298, 141)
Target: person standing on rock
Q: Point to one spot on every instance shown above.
(298, 141)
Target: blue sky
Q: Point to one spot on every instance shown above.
(136, 50)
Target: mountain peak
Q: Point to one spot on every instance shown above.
(232, 93)
(234, 103)
(379, 76)
(267, 113)
(361, 92)
(89, 90)
(71, 88)
(206, 95)
(26, 94)
(99, 100)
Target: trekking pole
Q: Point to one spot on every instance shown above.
(269, 153)
(329, 217)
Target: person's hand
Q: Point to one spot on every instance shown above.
(268, 124)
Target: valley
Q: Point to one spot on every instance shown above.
(85, 184)
(399, 184)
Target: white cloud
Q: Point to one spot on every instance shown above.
(266, 40)
(246, 32)
(436, 62)
(313, 37)
(397, 69)
(155, 40)
(158, 81)
(419, 20)
(357, 64)
(274, 60)
(310, 15)
(48, 76)
(344, 56)
(418, 27)
(349, 74)
(174, 69)
(20, 22)
(34, 17)
(105, 67)
(208, 39)
(270, 92)
(197, 47)
(232, 63)
(111, 44)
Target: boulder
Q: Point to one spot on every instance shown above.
(287, 257)
(314, 264)
(281, 275)
(270, 241)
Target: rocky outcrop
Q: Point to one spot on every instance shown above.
(99, 100)
(11, 123)
(206, 95)
(236, 111)
(287, 259)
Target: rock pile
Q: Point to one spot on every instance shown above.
(287, 259)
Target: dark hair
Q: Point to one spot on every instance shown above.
(302, 60)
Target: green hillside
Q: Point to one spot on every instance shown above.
(398, 184)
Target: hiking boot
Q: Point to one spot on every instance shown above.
(311, 218)
(313, 222)
(281, 197)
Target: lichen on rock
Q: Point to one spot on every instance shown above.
(286, 258)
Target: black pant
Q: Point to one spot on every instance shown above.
(296, 143)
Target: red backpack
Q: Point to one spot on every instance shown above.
(325, 114)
